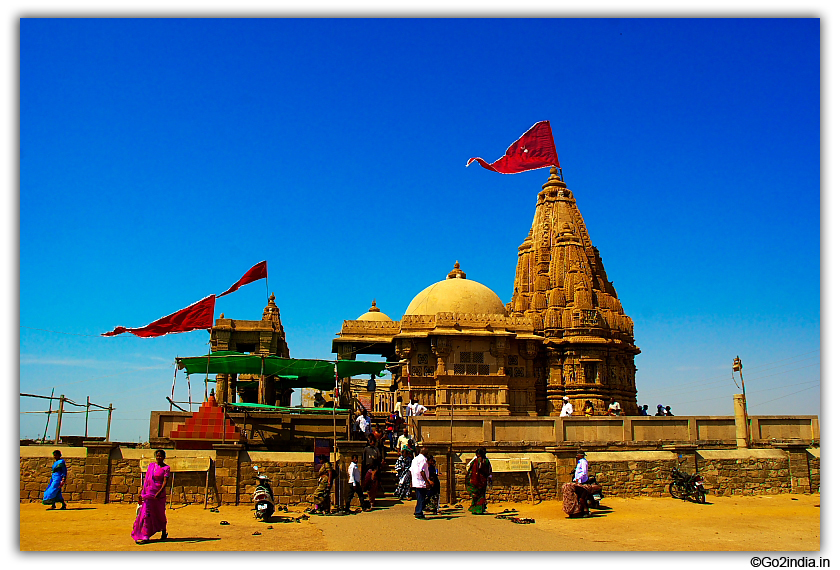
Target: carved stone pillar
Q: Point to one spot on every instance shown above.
(442, 348)
(404, 349)
(554, 387)
(231, 389)
(499, 348)
(221, 388)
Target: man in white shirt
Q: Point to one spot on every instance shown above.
(420, 481)
(354, 476)
(614, 408)
(364, 424)
(581, 469)
(567, 408)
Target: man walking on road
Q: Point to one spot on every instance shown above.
(420, 481)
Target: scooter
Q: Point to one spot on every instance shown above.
(595, 496)
(263, 497)
(594, 499)
(685, 485)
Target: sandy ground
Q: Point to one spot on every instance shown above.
(772, 523)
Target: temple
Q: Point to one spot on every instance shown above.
(564, 333)
(265, 337)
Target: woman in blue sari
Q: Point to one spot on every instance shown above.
(59, 477)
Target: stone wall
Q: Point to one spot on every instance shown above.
(512, 486)
(35, 473)
(633, 478)
(293, 482)
(104, 472)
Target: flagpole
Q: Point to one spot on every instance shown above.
(207, 373)
(335, 440)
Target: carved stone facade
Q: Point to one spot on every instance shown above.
(561, 285)
(564, 333)
(265, 337)
(460, 352)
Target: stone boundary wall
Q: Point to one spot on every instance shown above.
(103, 472)
(513, 486)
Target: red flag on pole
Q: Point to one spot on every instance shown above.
(257, 272)
(197, 316)
(535, 149)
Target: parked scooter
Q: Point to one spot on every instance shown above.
(263, 497)
(594, 499)
(596, 495)
(685, 485)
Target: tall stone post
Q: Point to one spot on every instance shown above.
(741, 433)
(97, 475)
(227, 472)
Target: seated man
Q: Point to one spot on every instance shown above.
(614, 408)
(576, 494)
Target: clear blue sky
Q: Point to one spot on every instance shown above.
(160, 159)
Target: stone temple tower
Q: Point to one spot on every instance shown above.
(562, 286)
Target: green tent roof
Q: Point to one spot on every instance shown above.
(295, 372)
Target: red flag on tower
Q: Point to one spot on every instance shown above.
(535, 149)
(257, 272)
(197, 316)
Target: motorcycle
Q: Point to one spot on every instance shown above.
(686, 486)
(596, 496)
(263, 497)
(594, 499)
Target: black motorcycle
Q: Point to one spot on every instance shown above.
(686, 486)
(594, 499)
(263, 497)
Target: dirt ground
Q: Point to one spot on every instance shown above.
(772, 523)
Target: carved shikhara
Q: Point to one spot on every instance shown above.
(564, 332)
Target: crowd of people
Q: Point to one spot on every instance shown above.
(613, 409)
(416, 471)
(660, 410)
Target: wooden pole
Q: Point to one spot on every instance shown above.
(87, 413)
(174, 377)
(47, 427)
(335, 441)
(189, 392)
(58, 421)
(108, 428)
(206, 374)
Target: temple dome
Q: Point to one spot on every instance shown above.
(456, 294)
(374, 314)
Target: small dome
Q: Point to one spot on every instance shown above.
(456, 294)
(374, 314)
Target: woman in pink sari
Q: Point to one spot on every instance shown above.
(152, 515)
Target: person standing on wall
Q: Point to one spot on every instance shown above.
(420, 481)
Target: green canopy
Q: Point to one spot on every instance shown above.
(267, 408)
(295, 372)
